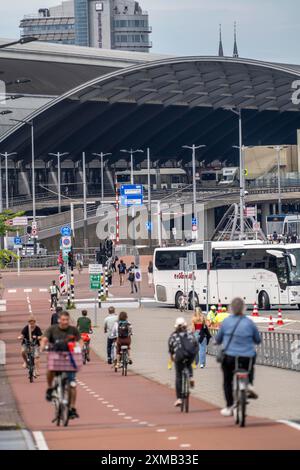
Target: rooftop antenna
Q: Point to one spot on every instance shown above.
(235, 47)
(221, 51)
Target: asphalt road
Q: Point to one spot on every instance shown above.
(117, 412)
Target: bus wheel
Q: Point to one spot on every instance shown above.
(192, 304)
(264, 301)
(177, 297)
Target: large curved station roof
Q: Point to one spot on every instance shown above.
(166, 103)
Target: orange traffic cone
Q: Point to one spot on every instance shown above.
(280, 320)
(271, 324)
(255, 312)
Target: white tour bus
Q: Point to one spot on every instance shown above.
(267, 274)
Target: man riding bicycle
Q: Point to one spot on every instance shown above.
(59, 336)
(84, 325)
(239, 336)
(54, 292)
(31, 333)
(183, 348)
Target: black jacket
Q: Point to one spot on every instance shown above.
(204, 333)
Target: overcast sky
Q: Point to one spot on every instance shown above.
(267, 29)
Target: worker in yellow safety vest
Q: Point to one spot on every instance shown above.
(220, 317)
(211, 317)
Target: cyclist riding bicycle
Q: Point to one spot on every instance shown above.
(122, 331)
(54, 293)
(84, 325)
(31, 333)
(183, 348)
(239, 337)
(59, 336)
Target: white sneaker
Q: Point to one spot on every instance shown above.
(251, 392)
(202, 366)
(227, 412)
(178, 402)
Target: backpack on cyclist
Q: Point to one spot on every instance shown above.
(187, 350)
(123, 329)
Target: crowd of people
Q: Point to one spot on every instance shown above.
(237, 334)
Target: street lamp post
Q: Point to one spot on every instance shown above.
(59, 155)
(132, 152)
(278, 149)
(31, 124)
(5, 155)
(194, 148)
(241, 148)
(21, 41)
(102, 155)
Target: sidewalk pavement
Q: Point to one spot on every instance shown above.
(278, 389)
(13, 436)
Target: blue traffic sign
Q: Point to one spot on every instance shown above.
(65, 231)
(149, 226)
(17, 241)
(132, 195)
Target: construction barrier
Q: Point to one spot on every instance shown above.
(277, 349)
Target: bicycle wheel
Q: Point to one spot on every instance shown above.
(242, 408)
(187, 392)
(124, 363)
(65, 405)
(30, 368)
(84, 356)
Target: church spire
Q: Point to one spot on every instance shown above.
(221, 52)
(235, 47)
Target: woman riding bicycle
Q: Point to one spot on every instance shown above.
(122, 331)
(239, 337)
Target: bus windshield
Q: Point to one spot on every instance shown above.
(295, 272)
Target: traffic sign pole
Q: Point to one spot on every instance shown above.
(18, 260)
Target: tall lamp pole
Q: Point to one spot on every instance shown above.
(59, 155)
(278, 149)
(31, 124)
(241, 148)
(102, 155)
(131, 153)
(6, 155)
(194, 148)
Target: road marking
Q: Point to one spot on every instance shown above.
(172, 438)
(115, 410)
(2, 308)
(134, 420)
(40, 440)
(161, 430)
(121, 414)
(127, 417)
(2, 302)
(110, 406)
(12, 291)
(290, 423)
(143, 423)
(185, 445)
(27, 290)
(43, 290)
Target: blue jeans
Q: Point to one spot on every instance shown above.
(202, 351)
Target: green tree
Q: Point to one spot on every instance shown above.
(6, 255)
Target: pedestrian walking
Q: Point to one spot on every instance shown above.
(122, 268)
(131, 277)
(202, 335)
(150, 274)
(60, 262)
(109, 322)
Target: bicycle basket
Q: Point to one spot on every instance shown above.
(59, 361)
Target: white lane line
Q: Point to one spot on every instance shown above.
(172, 438)
(40, 440)
(185, 446)
(105, 402)
(100, 399)
(134, 420)
(121, 414)
(12, 291)
(110, 406)
(161, 430)
(289, 423)
(115, 410)
(43, 290)
(27, 290)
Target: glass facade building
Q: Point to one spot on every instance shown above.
(107, 24)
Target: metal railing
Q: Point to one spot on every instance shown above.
(277, 349)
